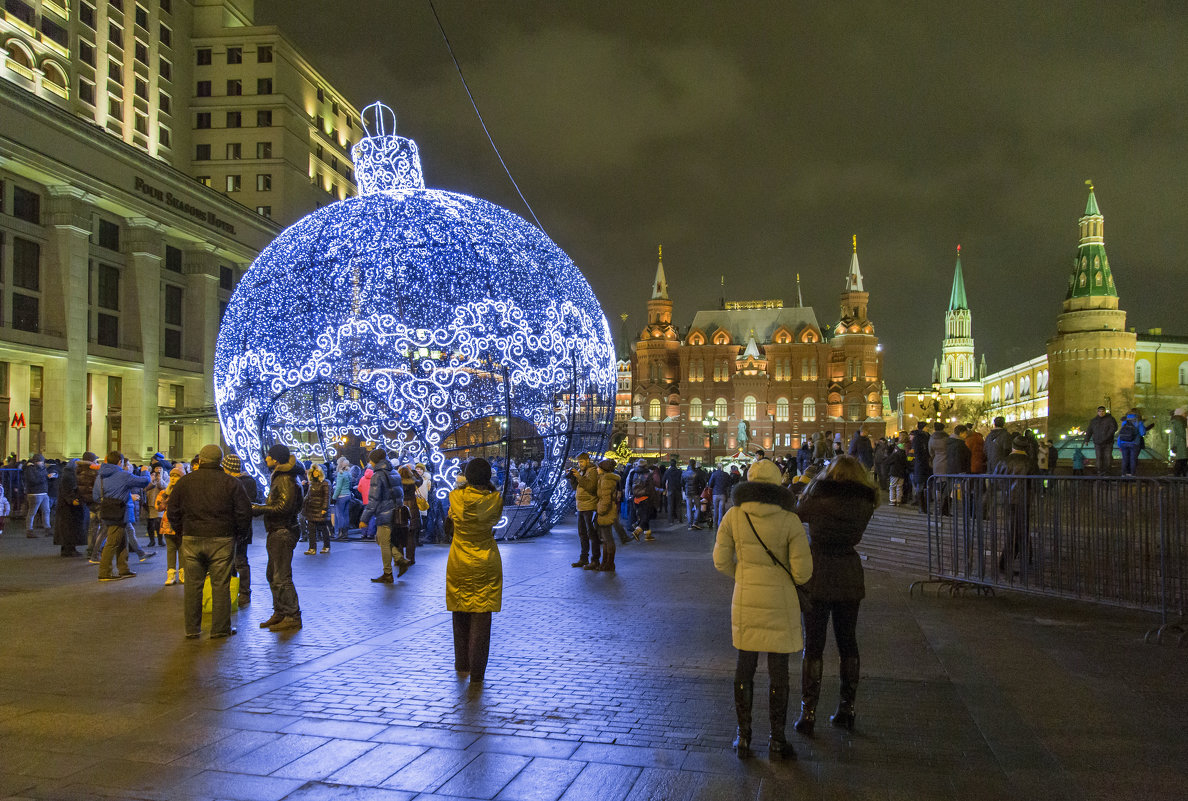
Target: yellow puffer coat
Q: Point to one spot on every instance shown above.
(474, 571)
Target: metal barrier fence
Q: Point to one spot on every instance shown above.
(1119, 541)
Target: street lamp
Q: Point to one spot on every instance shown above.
(935, 397)
(710, 424)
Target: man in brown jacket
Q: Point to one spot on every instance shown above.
(584, 479)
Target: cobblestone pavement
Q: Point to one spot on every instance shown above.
(600, 686)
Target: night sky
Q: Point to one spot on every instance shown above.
(753, 139)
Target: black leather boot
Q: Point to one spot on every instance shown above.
(810, 693)
(844, 717)
(744, 695)
(779, 747)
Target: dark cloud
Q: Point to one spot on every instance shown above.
(753, 139)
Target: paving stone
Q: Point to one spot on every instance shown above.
(543, 779)
(276, 754)
(322, 791)
(504, 744)
(599, 782)
(238, 786)
(349, 730)
(426, 736)
(628, 755)
(430, 770)
(378, 764)
(485, 776)
(324, 760)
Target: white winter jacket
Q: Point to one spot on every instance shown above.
(764, 612)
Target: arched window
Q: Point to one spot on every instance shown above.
(995, 395)
(18, 55)
(54, 76)
(808, 411)
(695, 409)
(854, 410)
(654, 409)
(721, 409)
(1184, 374)
(749, 407)
(1142, 372)
(782, 410)
(1025, 386)
(1009, 391)
(1041, 381)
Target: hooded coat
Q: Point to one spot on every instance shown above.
(69, 525)
(474, 571)
(608, 498)
(764, 611)
(836, 513)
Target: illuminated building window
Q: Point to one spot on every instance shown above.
(1025, 386)
(264, 182)
(695, 406)
(1184, 374)
(203, 179)
(721, 409)
(750, 408)
(1009, 391)
(1142, 372)
(654, 409)
(234, 183)
(854, 410)
(264, 211)
(808, 410)
(781, 414)
(263, 150)
(995, 395)
(234, 150)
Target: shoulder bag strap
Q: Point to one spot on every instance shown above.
(802, 592)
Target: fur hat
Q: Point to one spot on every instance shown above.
(766, 471)
(377, 456)
(279, 453)
(607, 465)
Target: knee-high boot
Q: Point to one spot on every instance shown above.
(777, 710)
(844, 717)
(810, 693)
(744, 695)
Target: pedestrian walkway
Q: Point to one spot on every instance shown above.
(600, 686)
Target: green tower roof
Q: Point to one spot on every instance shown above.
(1091, 275)
(957, 296)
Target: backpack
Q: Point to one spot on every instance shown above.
(642, 486)
(1128, 432)
(111, 510)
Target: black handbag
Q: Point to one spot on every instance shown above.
(802, 592)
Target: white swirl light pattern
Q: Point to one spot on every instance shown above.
(437, 325)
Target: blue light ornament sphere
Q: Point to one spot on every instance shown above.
(436, 325)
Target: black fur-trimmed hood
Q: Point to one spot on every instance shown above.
(763, 492)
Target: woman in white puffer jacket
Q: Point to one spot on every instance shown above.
(764, 612)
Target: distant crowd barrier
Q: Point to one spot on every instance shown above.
(1120, 541)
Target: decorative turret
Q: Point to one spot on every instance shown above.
(660, 285)
(957, 350)
(854, 299)
(1091, 358)
(623, 351)
(660, 307)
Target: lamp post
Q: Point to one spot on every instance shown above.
(710, 424)
(938, 409)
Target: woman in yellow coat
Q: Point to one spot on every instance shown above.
(474, 571)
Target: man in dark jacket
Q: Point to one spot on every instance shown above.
(997, 445)
(383, 499)
(85, 476)
(1101, 430)
(69, 517)
(113, 486)
(672, 491)
(209, 510)
(233, 467)
(921, 465)
(693, 483)
(36, 479)
(720, 486)
(1016, 464)
(280, 522)
(861, 448)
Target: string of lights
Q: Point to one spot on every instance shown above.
(422, 321)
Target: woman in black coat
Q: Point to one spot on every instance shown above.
(69, 521)
(835, 509)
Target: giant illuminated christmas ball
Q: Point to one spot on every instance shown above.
(436, 325)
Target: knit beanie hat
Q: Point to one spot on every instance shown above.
(279, 453)
(478, 472)
(232, 464)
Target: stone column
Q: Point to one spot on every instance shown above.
(142, 318)
(200, 330)
(64, 404)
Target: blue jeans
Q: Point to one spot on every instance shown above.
(38, 500)
(280, 547)
(213, 556)
(693, 507)
(342, 514)
(1130, 455)
(719, 509)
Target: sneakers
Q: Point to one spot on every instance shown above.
(220, 635)
(115, 577)
(310, 552)
(286, 624)
(170, 577)
(325, 549)
(386, 578)
(147, 555)
(129, 574)
(272, 621)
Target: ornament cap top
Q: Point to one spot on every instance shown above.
(385, 162)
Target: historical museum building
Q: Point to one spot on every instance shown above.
(1093, 359)
(149, 150)
(753, 374)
